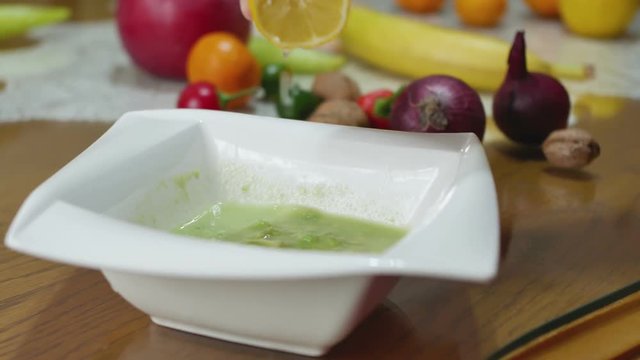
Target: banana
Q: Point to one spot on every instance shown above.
(416, 49)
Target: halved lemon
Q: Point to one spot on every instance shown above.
(299, 23)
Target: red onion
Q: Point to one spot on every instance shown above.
(438, 103)
(529, 106)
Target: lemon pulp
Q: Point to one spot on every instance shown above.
(299, 23)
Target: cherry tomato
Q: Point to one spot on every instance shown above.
(222, 59)
(199, 95)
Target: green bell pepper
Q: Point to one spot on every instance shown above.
(298, 105)
(271, 74)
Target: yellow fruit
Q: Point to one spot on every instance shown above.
(598, 18)
(415, 49)
(599, 107)
(299, 23)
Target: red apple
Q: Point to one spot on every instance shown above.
(158, 34)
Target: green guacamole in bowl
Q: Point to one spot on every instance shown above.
(291, 226)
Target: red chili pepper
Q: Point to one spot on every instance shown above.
(377, 106)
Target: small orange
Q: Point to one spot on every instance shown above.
(222, 59)
(421, 6)
(548, 8)
(481, 12)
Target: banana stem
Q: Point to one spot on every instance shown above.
(572, 71)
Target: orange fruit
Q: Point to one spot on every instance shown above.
(548, 8)
(420, 6)
(222, 59)
(481, 12)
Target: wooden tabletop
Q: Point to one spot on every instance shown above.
(568, 237)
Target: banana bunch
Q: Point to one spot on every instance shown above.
(416, 49)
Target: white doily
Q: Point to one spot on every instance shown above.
(79, 71)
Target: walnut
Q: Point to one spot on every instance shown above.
(335, 85)
(340, 111)
(570, 148)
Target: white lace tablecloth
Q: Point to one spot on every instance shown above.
(79, 71)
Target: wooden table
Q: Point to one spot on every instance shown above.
(567, 239)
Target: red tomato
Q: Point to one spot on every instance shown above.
(199, 95)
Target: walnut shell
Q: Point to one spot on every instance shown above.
(570, 148)
(335, 85)
(341, 112)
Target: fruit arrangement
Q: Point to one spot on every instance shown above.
(208, 44)
(158, 34)
(579, 17)
(477, 59)
(528, 106)
(225, 70)
(477, 13)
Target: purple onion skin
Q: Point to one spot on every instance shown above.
(439, 103)
(529, 106)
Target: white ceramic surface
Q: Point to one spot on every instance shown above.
(109, 209)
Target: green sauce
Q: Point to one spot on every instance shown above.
(291, 226)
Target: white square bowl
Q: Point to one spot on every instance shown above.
(111, 209)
